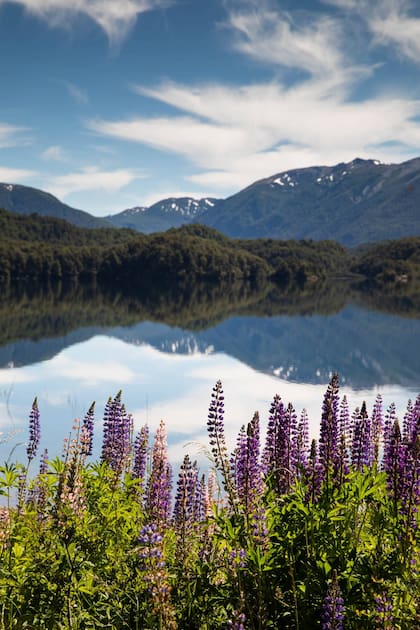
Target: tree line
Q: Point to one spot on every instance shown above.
(43, 248)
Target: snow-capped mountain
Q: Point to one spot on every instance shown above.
(171, 212)
(354, 202)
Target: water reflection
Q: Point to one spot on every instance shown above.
(73, 345)
(155, 385)
(301, 335)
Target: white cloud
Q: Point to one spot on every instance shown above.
(275, 37)
(235, 135)
(91, 372)
(15, 175)
(392, 24)
(114, 17)
(54, 153)
(11, 135)
(390, 21)
(91, 178)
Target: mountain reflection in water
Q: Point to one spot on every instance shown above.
(299, 334)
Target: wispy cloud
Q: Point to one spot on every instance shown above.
(91, 178)
(11, 135)
(114, 17)
(391, 22)
(278, 38)
(15, 175)
(77, 93)
(236, 135)
(54, 153)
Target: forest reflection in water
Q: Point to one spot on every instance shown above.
(166, 347)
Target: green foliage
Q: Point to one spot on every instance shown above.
(71, 556)
(34, 247)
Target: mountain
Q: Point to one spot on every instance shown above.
(163, 215)
(27, 200)
(355, 202)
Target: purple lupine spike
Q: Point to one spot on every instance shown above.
(342, 463)
(141, 447)
(216, 429)
(344, 426)
(383, 611)
(238, 462)
(153, 567)
(272, 450)
(34, 431)
(116, 444)
(361, 443)
(313, 474)
(186, 508)
(393, 462)
(411, 423)
(248, 475)
(410, 491)
(332, 615)
(158, 491)
(377, 428)
(88, 426)
(290, 425)
(390, 418)
(108, 432)
(201, 501)
(407, 421)
(328, 437)
(277, 456)
(237, 623)
(300, 444)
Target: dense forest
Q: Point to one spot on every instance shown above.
(35, 247)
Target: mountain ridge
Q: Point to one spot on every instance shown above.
(355, 202)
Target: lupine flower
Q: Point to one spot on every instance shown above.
(377, 428)
(390, 418)
(34, 431)
(237, 623)
(332, 615)
(245, 464)
(342, 462)
(158, 492)
(393, 461)
(88, 426)
(361, 449)
(383, 612)
(38, 494)
(216, 429)
(277, 456)
(185, 508)
(300, 444)
(313, 474)
(117, 430)
(328, 437)
(152, 564)
(141, 447)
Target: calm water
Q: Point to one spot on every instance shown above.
(69, 349)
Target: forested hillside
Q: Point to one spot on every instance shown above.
(34, 247)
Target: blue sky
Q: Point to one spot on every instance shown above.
(110, 104)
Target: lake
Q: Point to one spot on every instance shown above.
(72, 345)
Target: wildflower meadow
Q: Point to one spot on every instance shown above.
(283, 532)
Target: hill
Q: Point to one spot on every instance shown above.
(27, 200)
